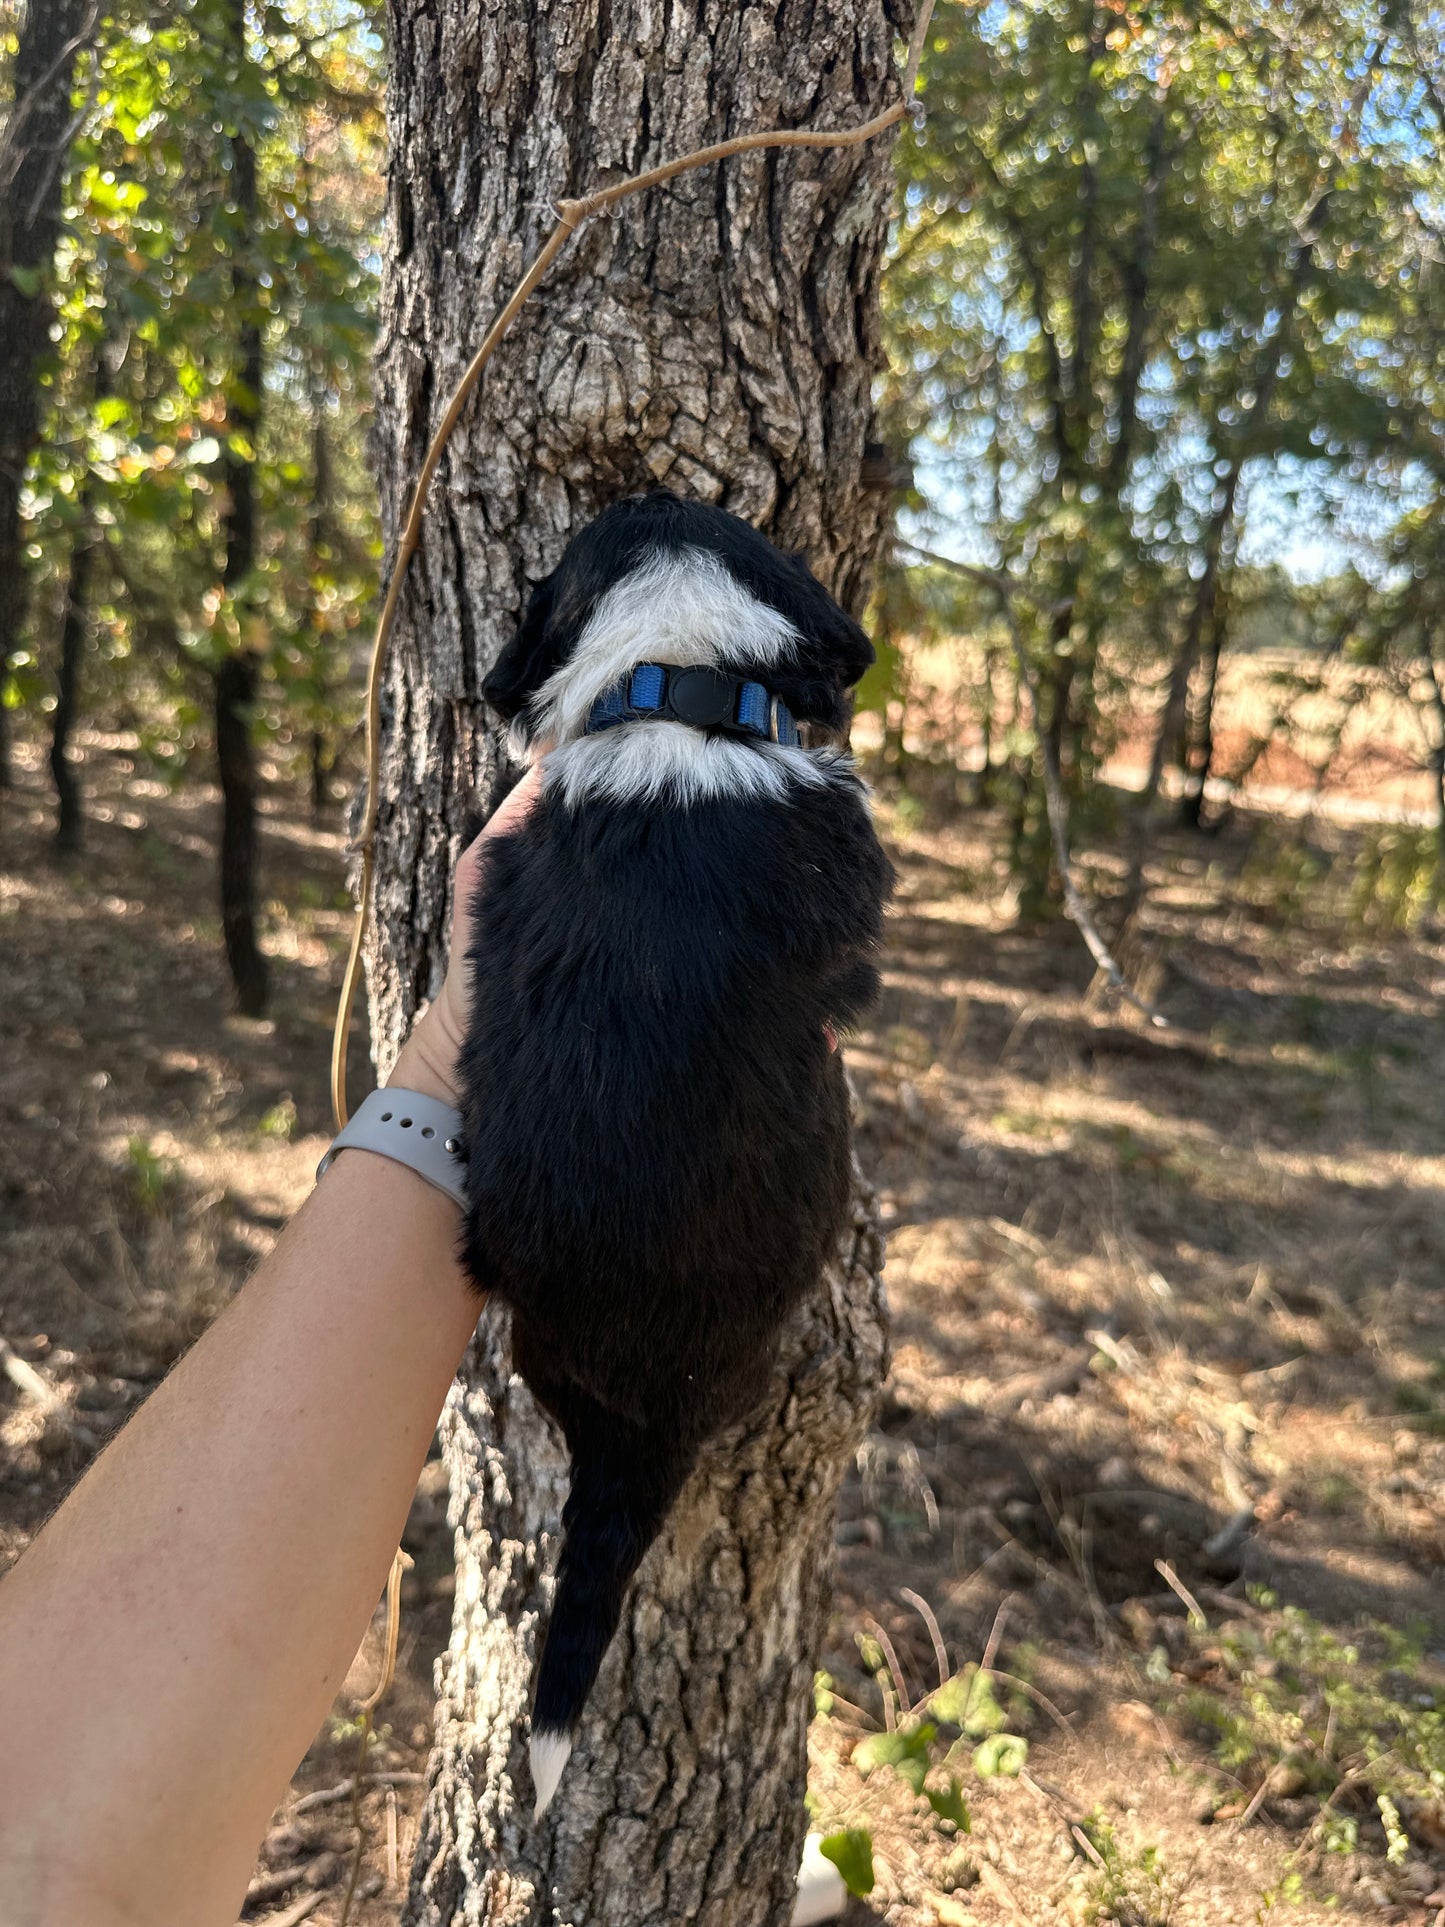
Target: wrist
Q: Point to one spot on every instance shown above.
(427, 1062)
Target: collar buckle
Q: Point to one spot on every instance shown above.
(702, 698)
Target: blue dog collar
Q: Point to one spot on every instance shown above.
(702, 698)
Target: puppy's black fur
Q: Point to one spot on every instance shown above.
(656, 1126)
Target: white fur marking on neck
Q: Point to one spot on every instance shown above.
(681, 607)
(671, 763)
(549, 1754)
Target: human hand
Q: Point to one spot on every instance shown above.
(427, 1062)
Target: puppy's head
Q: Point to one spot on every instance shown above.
(657, 579)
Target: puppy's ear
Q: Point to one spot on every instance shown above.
(528, 659)
(844, 645)
(852, 651)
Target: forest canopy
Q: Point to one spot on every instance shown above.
(1165, 339)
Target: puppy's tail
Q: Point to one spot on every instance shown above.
(622, 1491)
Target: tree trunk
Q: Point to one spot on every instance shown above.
(70, 816)
(70, 805)
(33, 151)
(1200, 748)
(320, 767)
(322, 557)
(235, 679)
(235, 692)
(719, 336)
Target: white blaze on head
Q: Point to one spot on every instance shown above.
(549, 1753)
(681, 607)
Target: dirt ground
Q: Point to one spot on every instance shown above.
(1168, 1329)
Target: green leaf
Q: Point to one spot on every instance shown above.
(950, 1804)
(29, 281)
(906, 1751)
(967, 1701)
(883, 682)
(870, 1652)
(851, 1852)
(1000, 1757)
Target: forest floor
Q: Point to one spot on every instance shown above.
(1164, 1439)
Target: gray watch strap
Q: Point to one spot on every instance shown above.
(413, 1130)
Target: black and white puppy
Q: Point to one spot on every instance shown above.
(656, 1123)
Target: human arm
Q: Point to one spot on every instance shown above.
(174, 1636)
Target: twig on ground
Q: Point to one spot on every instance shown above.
(293, 1915)
(1176, 1585)
(1081, 1839)
(1227, 1604)
(1050, 1383)
(1055, 804)
(331, 1796)
(1064, 1804)
(270, 1886)
(1347, 1782)
(994, 1881)
(848, 1706)
(26, 1380)
(1015, 1234)
(930, 1620)
(1261, 1794)
(995, 1637)
(905, 1704)
(317, 1872)
(1040, 1699)
(38, 1389)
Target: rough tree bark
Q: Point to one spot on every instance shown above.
(33, 146)
(719, 336)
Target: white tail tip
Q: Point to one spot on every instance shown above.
(550, 1753)
(821, 1893)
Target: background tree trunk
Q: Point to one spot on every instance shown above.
(322, 539)
(719, 336)
(234, 683)
(75, 626)
(33, 151)
(69, 803)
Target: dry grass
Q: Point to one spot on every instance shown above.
(1341, 737)
(1145, 1285)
